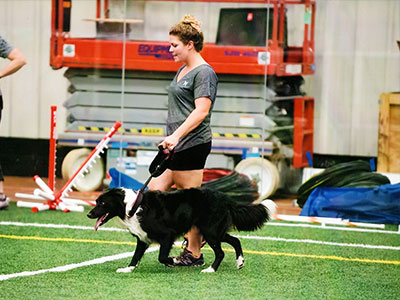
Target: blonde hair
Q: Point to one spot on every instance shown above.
(189, 29)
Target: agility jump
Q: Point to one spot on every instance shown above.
(58, 200)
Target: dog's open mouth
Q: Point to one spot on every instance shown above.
(100, 221)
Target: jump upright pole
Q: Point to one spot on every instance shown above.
(46, 192)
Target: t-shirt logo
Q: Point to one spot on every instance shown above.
(185, 83)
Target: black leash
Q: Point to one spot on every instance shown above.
(156, 169)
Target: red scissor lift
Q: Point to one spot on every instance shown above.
(283, 62)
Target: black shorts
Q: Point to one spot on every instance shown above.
(193, 158)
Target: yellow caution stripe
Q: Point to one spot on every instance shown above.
(160, 131)
(144, 130)
(237, 135)
(71, 240)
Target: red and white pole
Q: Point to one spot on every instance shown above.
(52, 148)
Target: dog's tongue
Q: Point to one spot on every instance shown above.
(98, 223)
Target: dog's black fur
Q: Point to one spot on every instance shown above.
(162, 217)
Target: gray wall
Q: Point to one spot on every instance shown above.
(356, 60)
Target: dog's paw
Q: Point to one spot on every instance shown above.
(240, 262)
(126, 270)
(208, 270)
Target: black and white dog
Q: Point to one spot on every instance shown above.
(162, 217)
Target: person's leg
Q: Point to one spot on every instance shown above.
(187, 166)
(1, 171)
(162, 182)
(1, 185)
(185, 180)
(3, 199)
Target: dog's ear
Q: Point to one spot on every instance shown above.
(117, 196)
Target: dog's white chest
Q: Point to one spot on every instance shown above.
(133, 225)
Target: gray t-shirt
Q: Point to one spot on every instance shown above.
(199, 82)
(5, 48)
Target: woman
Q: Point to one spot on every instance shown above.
(191, 97)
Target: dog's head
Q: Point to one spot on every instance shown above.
(109, 204)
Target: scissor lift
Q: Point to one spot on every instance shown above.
(256, 74)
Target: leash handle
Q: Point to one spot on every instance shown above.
(166, 151)
(169, 155)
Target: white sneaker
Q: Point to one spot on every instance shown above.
(4, 202)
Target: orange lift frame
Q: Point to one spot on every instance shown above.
(67, 51)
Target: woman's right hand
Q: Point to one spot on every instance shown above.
(169, 142)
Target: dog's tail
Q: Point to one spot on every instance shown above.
(252, 217)
(237, 186)
(243, 197)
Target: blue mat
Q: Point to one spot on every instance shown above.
(119, 179)
(372, 205)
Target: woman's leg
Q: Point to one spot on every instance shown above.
(2, 196)
(186, 180)
(162, 182)
(1, 185)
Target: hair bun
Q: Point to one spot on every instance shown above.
(192, 21)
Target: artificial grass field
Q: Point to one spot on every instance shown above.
(289, 268)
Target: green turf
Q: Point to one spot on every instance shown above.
(273, 270)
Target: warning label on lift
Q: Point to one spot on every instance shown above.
(144, 130)
(158, 51)
(160, 131)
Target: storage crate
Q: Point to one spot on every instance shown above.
(389, 133)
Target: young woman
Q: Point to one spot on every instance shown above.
(191, 97)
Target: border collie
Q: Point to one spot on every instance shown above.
(162, 217)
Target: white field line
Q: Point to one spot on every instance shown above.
(277, 239)
(65, 268)
(332, 228)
